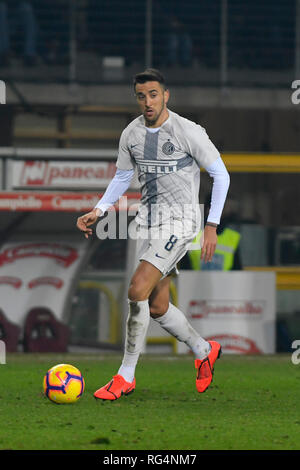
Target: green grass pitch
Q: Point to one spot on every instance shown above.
(251, 404)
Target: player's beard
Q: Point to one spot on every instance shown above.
(151, 122)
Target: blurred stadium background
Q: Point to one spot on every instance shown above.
(68, 67)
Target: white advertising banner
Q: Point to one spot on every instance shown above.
(57, 174)
(40, 174)
(37, 274)
(237, 309)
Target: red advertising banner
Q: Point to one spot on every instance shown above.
(58, 201)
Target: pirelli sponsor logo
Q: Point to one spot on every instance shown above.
(159, 167)
(163, 166)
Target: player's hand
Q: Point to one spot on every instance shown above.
(86, 220)
(209, 243)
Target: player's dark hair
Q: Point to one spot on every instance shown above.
(150, 75)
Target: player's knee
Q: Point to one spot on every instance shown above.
(137, 291)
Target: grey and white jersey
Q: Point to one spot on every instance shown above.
(168, 165)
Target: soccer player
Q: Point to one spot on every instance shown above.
(168, 151)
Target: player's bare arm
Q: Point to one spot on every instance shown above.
(209, 243)
(86, 220)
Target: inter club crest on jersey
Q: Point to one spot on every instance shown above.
(168, 148)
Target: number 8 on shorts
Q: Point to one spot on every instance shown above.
(172, 240)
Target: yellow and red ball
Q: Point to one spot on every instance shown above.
(63, 383)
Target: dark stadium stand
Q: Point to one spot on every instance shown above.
(9, 333)
(44, 333)
(69, 40)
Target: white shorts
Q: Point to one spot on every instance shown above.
(163, 246)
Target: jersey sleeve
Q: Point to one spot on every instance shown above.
(220, 187)
(199, 145)
(116, 188)
(124, 160)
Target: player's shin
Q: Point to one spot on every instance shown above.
(136, 329)
(176, 323)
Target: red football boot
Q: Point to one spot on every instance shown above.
(115, 389)
(205, 367)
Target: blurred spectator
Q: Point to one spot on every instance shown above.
(54, 18)
(227, 256)
(179, 44)
(18, 16)
(172, 38)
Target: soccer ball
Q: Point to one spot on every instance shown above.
(63, 383)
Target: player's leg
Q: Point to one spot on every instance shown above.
(175, 322)
(144, 280)
(160, 298)
(142, 283)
